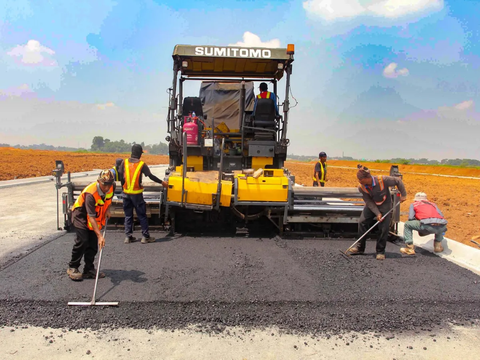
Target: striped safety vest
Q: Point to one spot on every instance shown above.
(322, 176)
(264, 95)
(101, 205)
(132, 177)
(382, 187)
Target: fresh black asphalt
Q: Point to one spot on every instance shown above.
(214, 282)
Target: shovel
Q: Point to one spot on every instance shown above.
(93, 302)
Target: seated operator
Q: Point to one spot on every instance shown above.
(265, 94)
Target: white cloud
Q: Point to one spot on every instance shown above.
(34, 54)
(23, 90)
(105, 106)
(252, 40)
(391, 71)
(331, 10)
(457, 108)
(465, 105)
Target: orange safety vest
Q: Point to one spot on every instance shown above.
(382, 186)
(132, 177)
(101, 205)
(264, 95)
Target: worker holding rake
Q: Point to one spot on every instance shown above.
(89, 214)
(378, 202)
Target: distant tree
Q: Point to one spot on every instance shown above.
(97, 143)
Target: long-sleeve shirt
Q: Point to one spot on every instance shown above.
(376, 195)
(273, 97)
(412, 215)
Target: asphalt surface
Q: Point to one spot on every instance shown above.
(300, 286)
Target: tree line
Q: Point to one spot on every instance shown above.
(99, 144)
(400, 161)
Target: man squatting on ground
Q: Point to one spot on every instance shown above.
(378, 201)
(425, 217)
(130, 174)
(88, 217)
(320, 171)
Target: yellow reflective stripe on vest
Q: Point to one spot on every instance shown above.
(322, 177)
(259, 96)
(131, 181)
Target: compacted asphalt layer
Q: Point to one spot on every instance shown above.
(300, 286)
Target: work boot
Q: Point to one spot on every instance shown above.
(74, 274)
(408, 249)
(91, 274)
(146, 240)
(129, 239)
(437, 246)
(355, 251)
(380, 257)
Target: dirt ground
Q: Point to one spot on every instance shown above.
(457, 197)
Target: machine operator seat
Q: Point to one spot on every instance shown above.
(192, 104)
(265, 114)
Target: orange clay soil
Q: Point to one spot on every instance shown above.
(456, 197)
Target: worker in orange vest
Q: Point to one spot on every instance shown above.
(130, 174)
(89, 214)
(265, 94)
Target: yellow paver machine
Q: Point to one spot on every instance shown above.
(227, 148)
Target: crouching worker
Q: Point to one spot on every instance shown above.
(89, 214)
(425, 217)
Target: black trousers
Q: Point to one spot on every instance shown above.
(86, 246)
(366, 221)
(315, 183)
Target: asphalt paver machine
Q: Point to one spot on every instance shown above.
(227, 149)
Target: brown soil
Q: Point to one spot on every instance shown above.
(456, 197)
(20, 164)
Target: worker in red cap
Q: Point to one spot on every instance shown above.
(89, 214)
(375, 191)
(320, 171)
(131, 171)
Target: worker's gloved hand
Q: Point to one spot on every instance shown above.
(379, 217)
(403, 198)
(101, 242)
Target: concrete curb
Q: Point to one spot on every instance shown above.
(463, 255)
(41, 179)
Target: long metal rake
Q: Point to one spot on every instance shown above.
(93, 302)
(345, 253)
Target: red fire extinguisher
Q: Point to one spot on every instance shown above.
(192, 132)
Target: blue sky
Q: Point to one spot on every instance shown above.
(373, 78)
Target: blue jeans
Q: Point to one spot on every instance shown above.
(135, 201)
(423, 229)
